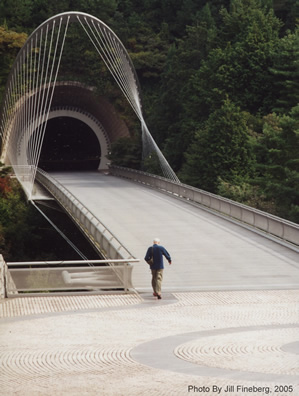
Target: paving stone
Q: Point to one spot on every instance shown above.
(227, 343)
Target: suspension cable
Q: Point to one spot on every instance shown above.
(31, 85)
(61, 233)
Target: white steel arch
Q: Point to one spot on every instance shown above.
(32, 81)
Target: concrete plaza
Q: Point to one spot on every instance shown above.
(209, 343)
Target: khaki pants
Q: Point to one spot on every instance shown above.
(157, 276)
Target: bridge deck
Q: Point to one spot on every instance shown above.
(208, 252)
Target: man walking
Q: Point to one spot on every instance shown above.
(156, 253)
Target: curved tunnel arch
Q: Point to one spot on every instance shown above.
(78, 101)
(31, 84)
(77, 114)
(93, 123)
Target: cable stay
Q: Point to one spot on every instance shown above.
(63, 235)
(31, 85)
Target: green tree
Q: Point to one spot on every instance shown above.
(17, 14)
(29, 14)
(126, 152)
(278, 163)
(10, 43)
(13, 223)
(149, 53)
(221, 150)
(239, 66)
(172, 118)
(286, 73)
(288, 12)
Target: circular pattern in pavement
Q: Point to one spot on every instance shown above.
(26, 365)
(244, 351)
(233, 352)
(122, 350)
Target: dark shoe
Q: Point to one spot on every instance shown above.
(159, 296)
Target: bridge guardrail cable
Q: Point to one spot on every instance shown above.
(73, 262)
(285, 230)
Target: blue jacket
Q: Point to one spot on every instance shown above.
(157, 251)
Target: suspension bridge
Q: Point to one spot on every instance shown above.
(215, 243)
(228, 320)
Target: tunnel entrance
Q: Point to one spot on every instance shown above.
(69, 144)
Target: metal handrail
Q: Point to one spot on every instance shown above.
(108, 244)
(122, 272)
(73, 262)
(285, 230)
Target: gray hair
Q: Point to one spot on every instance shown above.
(156, 240)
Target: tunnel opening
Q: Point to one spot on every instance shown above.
(69, 144)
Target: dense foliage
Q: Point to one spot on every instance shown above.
(25, 235)
(220, 84)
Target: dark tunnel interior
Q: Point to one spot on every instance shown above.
(69, 144)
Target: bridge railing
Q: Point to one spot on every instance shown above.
(6, 281)
(63, 277)
(3, 272)
(285, 230)
(102, 238)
